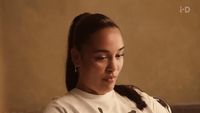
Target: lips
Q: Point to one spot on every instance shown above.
(109, 78)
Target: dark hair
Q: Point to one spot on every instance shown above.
(81, 29)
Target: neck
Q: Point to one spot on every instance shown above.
(89, 90)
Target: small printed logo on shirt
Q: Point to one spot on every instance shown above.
(100, 110)
(132, 111)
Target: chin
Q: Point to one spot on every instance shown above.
(107, 89)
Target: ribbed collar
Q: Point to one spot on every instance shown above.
(87, 95)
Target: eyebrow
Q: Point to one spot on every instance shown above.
(106, 51)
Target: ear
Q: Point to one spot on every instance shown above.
(76, 57)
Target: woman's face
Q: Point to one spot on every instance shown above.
(101, 61)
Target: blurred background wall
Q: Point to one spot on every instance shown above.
(1, 63)
(162, 48)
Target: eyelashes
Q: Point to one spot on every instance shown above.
(120, 55)
(101, 57)
(105, 57)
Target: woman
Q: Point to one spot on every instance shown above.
(95, 59)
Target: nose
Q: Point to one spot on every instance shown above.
(112, 65)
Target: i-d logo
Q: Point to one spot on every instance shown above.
(185, 9)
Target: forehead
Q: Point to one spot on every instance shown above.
(107, 38)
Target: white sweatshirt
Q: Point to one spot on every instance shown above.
(78, 101)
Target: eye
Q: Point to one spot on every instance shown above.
(119, 55)
(102, 57)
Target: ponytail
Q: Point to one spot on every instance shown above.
(72, 75)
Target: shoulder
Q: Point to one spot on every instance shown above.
(61, 104)
(155, 103)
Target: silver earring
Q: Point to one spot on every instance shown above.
(75, 69)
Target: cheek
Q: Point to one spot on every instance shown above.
(120, 65)
(93, 66)
(100, 66)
